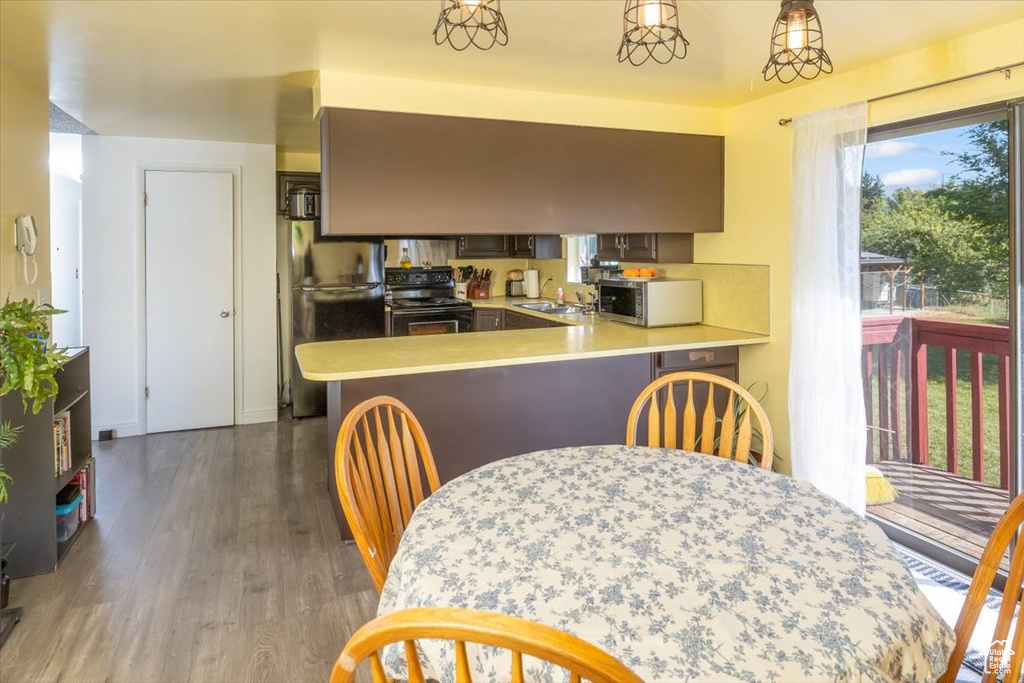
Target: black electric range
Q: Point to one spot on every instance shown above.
(422, 302)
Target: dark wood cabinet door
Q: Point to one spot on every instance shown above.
(488, 319)
(535, 246)
(640, 248)
(608, 247)
(521, 321)
(645, 247)
(482, 246)
(522, 246)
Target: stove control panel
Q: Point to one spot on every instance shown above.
(418, 277)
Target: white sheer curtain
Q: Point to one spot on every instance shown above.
(826, 395)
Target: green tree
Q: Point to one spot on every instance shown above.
(872, 190)
(977, 193)
(940, 247)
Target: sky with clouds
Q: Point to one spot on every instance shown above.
(915, 161)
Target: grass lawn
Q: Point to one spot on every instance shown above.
(937, 413)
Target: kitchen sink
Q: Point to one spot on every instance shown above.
(550, 307)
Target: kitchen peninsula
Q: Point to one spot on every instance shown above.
(485, 396)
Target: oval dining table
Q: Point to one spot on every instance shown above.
(685, 567)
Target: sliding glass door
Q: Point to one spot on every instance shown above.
(940, 330)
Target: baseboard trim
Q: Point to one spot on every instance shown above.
(122, 429)
(250, 417)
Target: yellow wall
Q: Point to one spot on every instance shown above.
(24, 178)
(359, 91)
(298, 162)
(758, 165)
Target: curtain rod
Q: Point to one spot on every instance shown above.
(1004, 69)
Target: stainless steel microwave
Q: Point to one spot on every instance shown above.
(651, 303)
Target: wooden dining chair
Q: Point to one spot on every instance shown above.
(381, 459)
(522, 637)
(977, 594)
(729, 435)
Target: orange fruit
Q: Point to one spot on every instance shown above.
(631, 272)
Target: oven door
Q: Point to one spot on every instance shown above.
(417, 323)
(621, 301)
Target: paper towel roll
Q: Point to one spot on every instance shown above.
(532, 284)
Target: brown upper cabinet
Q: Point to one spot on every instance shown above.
(482, 246)
(386, 173)
(535, 246)
(504, 246)
(645, 248)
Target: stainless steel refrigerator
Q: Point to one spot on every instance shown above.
(337, 287)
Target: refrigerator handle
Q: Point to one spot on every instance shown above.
(320, 288)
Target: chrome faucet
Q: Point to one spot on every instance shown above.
(540, 292)
(588, 308)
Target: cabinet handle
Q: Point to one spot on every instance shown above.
(529, 242)
(462, 243)
(618, 241)
(625, 241)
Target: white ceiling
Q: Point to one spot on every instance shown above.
(226, 70)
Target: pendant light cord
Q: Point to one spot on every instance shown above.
(1004, 69)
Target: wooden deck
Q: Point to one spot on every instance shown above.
(952, 510)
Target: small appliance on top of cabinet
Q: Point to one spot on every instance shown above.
(651, 303)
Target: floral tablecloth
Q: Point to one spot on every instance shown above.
(685, 567)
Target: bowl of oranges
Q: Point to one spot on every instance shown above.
(639, 273)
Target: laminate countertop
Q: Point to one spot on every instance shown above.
(584, 337)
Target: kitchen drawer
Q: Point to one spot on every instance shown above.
(722, 361)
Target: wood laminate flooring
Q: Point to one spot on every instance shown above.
(214, 556)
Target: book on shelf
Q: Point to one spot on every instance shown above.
(61, 443)
(81, 478)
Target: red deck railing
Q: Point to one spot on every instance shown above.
(891, 344)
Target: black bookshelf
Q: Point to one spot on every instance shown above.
(29, 516)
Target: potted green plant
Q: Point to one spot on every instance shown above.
(29, 365)
(739, 409)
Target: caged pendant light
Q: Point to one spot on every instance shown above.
(471, 22)
(651, 31)
(798, 48)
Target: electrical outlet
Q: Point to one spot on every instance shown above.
(43, 296)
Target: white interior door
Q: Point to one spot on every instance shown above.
(189, 300)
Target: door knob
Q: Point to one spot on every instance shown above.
(224, 313)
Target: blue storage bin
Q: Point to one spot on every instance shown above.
(67, 519)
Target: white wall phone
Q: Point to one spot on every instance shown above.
(26, 239)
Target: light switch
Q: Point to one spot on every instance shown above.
(43, 297)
